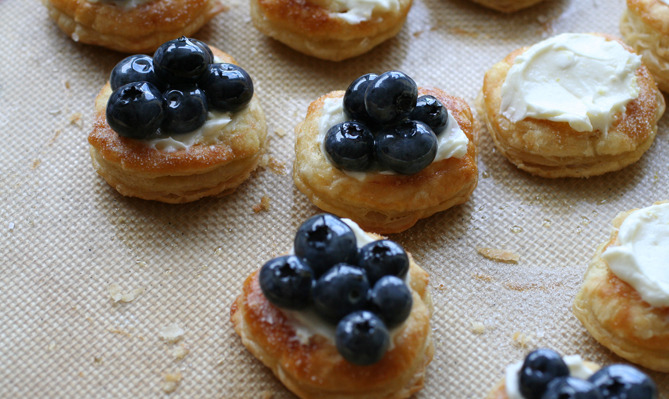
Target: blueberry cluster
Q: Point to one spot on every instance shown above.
(172, 91)
(361, 291)
(390, 127)
(544, 375)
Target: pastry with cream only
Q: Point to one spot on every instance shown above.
(573, 105)
(345, 315)
(624, 299)
(200, 136)
(645, 27)
(330, 29)
(507, 5)
(395, 169)
(131, 26)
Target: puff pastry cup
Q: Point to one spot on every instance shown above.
(137, 29)
(554, 149)
(507, 5)
(616, 316)
(314, 28)
(137, 170)
(316, 369)
(385, 203)
(645, 27)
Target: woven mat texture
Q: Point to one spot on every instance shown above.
(66, 236)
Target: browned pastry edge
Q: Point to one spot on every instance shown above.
(653, 12)
(553, 149)
(507, 5)
(385, 203)
(616, 316)
(316, 369)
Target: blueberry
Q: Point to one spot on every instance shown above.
(350, 146)
(362, 338)
(206, 49)
(539, 368)
(136, 110)
(324, 240)
(185, 109)
(571, 388)
(432, 112)
(354, 98)
(135, 68)
(286, 282)
(391, 300)
(620, 381)
(406, 148)
(391, 97)
(383, 258)
(180, 61)
(228, 87)
(341, 290)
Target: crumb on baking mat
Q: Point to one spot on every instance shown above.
(263, 205)
(522, 340)
(179, 352)
(477, 327)
(171, 333)
(171, 382)
(117, 294)
(499, 255)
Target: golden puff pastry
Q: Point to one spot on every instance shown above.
(316, 370)
(507, 5)
(381, 202)
(131, 26)
(330, 29)
(553, 149)
(645, 27)
(137, 169)
(615, 314)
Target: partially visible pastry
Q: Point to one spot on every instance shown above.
(330, 29)
(645, 27)
(624, 299)
(574, 105)
(345, 315)
(175, 135)
(507, 5)
(131, 26)
(386, 153)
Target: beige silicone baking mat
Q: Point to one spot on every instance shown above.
(70, 246)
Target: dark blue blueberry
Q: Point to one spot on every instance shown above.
(391, 97)
(571, 388)
(286, 282)
(539, 368)
(181, 61)
(391, 300)
(341, 290)
(362, 338)
(136, 110)
(431, 112)
(206, 49)
(228, 87)
(350, 146)
(383, 258)
(620, 381)
(324, 240)
(407, 147)
(135, 68)
(185, 109)
(354, 98)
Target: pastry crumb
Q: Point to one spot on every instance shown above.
(172, 333)
(263, 205)
(277, 167)
(35, 164)
(67, 84)
(477, 327)
(521, 339)
(171, 382)
(280, 132)
(56, 133)
(116, 294)
(499, 255)
(180, 352)
(76, 119)
(119, 331)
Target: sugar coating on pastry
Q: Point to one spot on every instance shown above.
(380, 201)
(330, 29)
(555, 111)
(211, 161)
(645, 27)
(613, 310)
(131, 26)
(507, 5)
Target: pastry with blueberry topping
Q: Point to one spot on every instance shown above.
(345, 314)
(386, 153)
(507, 5)
(131, 26)
(178, 126)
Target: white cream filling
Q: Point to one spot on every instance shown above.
(357, 11)
(574, 362)
(451, 143)
(580, 79)
(642, 252)
(125, 4)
